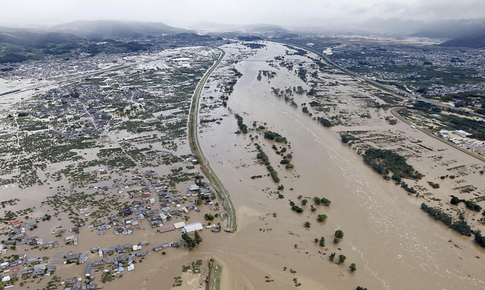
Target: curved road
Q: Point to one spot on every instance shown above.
(197, 151)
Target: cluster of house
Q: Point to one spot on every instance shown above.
(147, 180)
(75, 283)
(33, 266)
(17, 235)
(463, 140)
(10, 269)
(125, 259)
(142, 208)
(85, 103)
(127, 221)
(54, 67)
(378, 56)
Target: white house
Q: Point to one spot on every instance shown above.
(163, 216)
(193, 187)
(444, 134)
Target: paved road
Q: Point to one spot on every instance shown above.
(197, 151)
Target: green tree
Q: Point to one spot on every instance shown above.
(339, 234)
(322, 242)
(341, 259)
(197, 238)
(345, 139)
(455, 200)
(352, 267)
(325, 201)
(317, 200)
(307, 224)
(304, 202)
(336, 240)
(479, 238)
(332, 255)
(198, 179)
(321, 218)
(189, 241)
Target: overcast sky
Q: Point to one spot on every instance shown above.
(282, 12)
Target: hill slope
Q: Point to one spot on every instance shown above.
(477, 41)
(115, 29)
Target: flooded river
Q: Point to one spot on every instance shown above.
(392, 242)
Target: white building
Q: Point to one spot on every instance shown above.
(461, 133)
(189, 228)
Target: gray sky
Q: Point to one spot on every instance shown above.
(282, 12)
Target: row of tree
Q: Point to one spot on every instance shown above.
(242, 127)
(275, 136)
(383, 161)
(191, 243)
(263, 157)
(468, 203)
(460, 226)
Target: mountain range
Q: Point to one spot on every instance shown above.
(451, 28)
(32, 43)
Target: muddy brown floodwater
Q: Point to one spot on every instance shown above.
(392, 242)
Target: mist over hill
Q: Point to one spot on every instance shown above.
(68, 39)
(448, 28)
(115, 29)
(92, 37)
